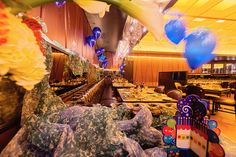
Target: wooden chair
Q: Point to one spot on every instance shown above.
(160, 89)
(178, 85)
(175, 94)
(191, 89)
(224, 102)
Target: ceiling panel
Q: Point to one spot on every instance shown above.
(219, 16)
(112, 25)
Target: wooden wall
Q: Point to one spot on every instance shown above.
(146, 69)
(67, 25)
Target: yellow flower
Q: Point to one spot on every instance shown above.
(20, 55)
(94, 7)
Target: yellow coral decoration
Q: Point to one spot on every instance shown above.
(20, 56)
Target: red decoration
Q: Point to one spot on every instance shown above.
(167, 131)
(3, 32)
(36, 28)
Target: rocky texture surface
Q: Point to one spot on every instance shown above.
(11, 97)
(51, 128)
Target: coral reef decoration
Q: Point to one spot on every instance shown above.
(36, 28)
(20, 55)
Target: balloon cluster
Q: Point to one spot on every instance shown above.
(122, 68)
(60, 3)
(169, 132)
(101, 57)
(169, 136)
(212, 124)
(91, 40)
(198, 45)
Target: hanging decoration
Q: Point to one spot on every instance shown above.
(175, 30)
(91, 41)
(199, 45)
(104, 64)
(60, 3)
(122, 68)
(191, 130)
(97, 32)
(99, 51)
(102, 58)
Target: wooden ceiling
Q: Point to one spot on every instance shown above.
(219, 16)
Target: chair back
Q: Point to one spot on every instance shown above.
(224, 84)
(178, 85)
(191, 89)
(175, 94)
(160, 89)
(232, 85)
(235, 95)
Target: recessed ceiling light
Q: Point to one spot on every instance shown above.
(220, 21)
(199, 19)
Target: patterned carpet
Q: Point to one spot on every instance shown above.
(228, 145)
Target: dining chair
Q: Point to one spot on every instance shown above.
(178, 85)
(225, 101)
(160, 89)
(224, 84)
(191, 89)
(175, 94)
(232, 86)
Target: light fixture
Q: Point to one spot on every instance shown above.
(157, 57)
(199, 19)
(220, 21)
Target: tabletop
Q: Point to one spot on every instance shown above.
(144, 95)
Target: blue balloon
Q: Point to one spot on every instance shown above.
(60, 3)
(175, 31)
(212, 124)
(91, 41)
(198, 48)
(97, 32)
(104, 64)
(167, 139)
(102, 58)
(100, 51)
(122, 67)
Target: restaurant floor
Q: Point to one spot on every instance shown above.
(227, 124)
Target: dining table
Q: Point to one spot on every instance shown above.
(212, 89)
(156, 108)
(122, 85)
(143, 95)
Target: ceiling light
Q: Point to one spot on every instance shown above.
(199, 19)
(220, 21)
